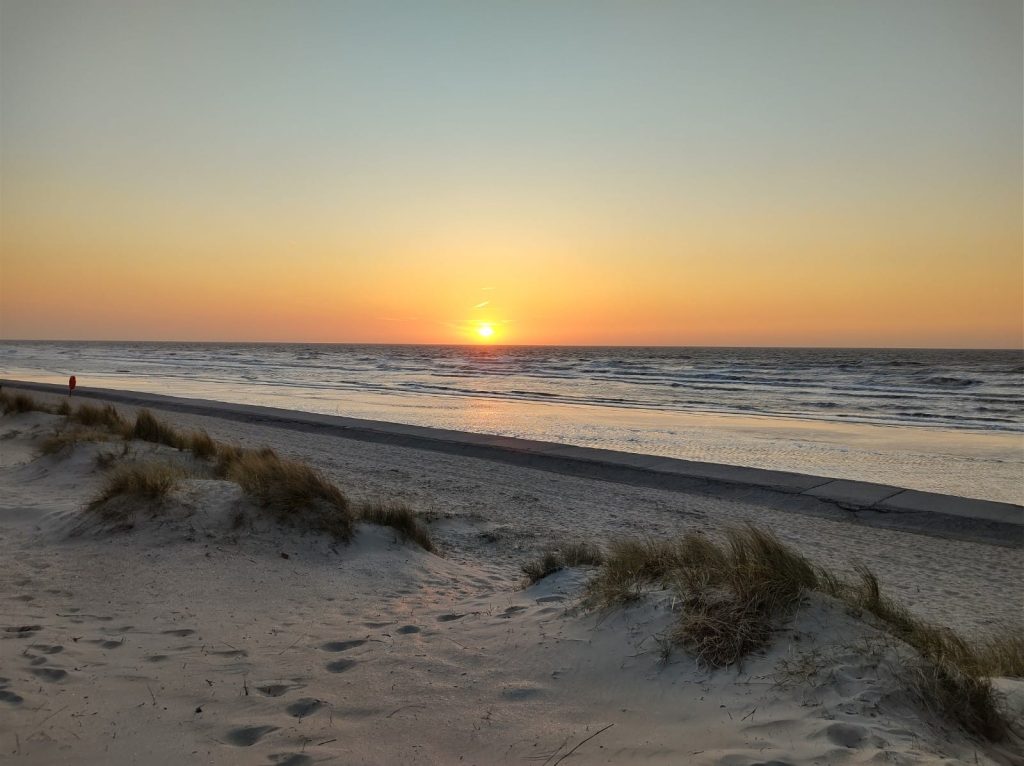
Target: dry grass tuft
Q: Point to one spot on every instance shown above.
(201, 445)
(1001, 655)
(399, 517)
(225, 456)
(291, 492)
(548, 563)
(148, 482)
(15, 404)
(64, 408)
(148, 428)
(959, 696)
(632, 564)
(98, 417)
(734, 596)
(581, 554)
(953, 674)
(571, 555)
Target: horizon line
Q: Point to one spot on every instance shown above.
(514, 345)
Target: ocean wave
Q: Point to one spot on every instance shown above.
(951, 382)
(948, 389)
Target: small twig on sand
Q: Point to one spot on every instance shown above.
(293, 643)
(153, 696)
(456, 643)
(554, 752)
(401, 708)
(581, 743)
(39, 725)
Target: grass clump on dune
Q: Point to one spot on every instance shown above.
(200, 444)
(16, 404)
(399, 517)
(572, 555)
(953, 673)
(149, 482)
(733, 596)
(291, 492)
(1001, 655)
(150, 429)
(98, 417)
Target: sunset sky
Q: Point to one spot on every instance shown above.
(683, 173)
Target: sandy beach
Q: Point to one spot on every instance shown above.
(541, 384)
(190, 640)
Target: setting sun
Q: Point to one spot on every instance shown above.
(485, 331)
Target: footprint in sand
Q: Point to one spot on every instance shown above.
(846, 734)
(405, 630)
(50, 674)
(22, 631)
(304, 707)
(276, 688)
(340, 666)
(156, 658)
(290, 759)
(248, 735)
(180, 633)
(342, 646)
(57, 649)
(450, 617)
(511, 611)
(10, 697)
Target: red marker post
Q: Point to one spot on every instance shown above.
(72, 382)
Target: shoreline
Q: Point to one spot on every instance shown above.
(860, 502)
(932, 457)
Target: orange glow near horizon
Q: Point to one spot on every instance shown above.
(67, 282)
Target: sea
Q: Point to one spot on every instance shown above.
(940, 420)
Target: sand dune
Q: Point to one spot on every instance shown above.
(193, 638)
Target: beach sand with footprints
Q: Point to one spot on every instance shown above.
(205, 631)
